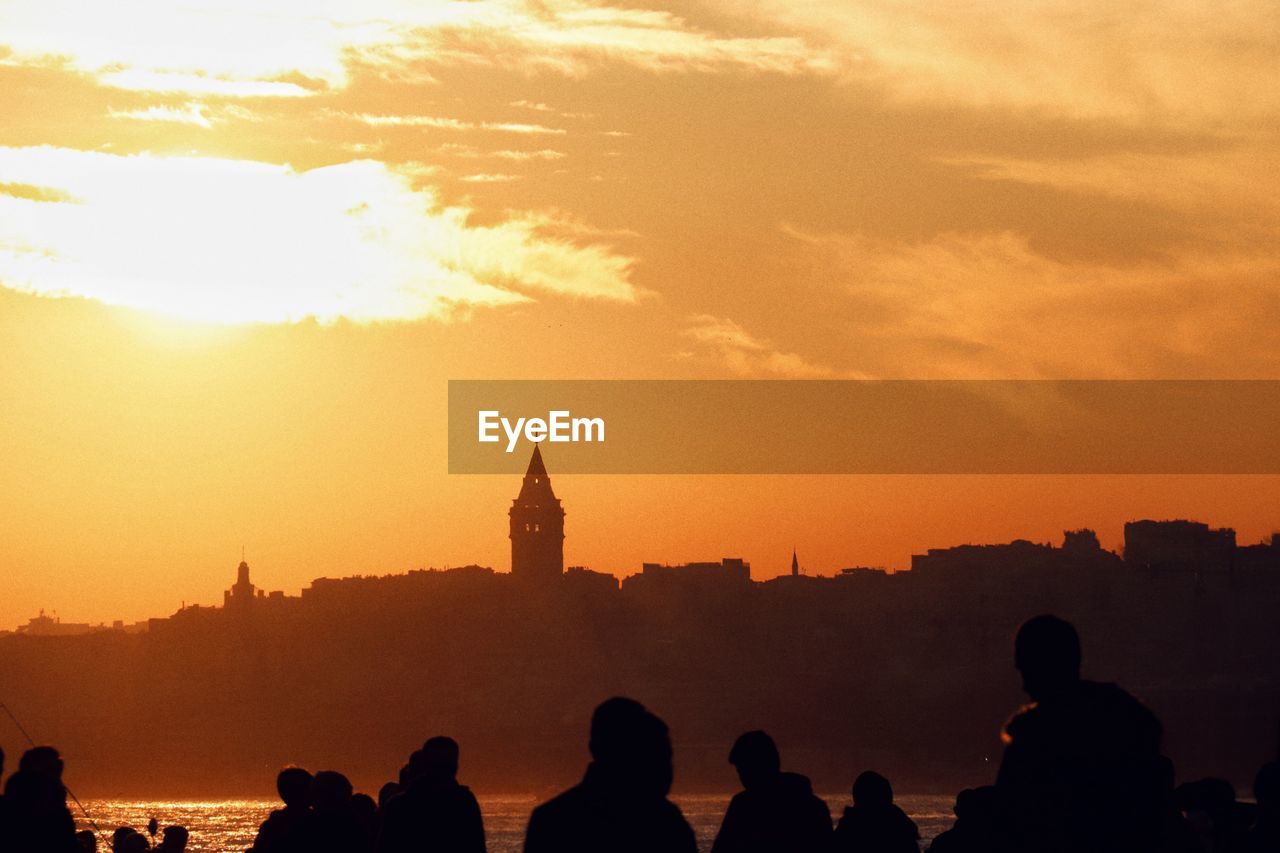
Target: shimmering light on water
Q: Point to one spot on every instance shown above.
(224, 826)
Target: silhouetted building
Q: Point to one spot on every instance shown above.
(242, 592)
(1179, 546)
(537, 526)
(1082, 542)
(52, 626)
(731, 571)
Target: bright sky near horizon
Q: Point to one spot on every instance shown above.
(244, 245)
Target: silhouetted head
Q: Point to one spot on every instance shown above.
(293, 784)
(755, 756)
(175, 838)
(976, 805)
(364, 809)
(872, 790)
(631, 748)
(440, 759)
(1047, 653)
(1266, 787)
(42, 761)
(387, 791)
(330, 791)
(120, 838)
(87, 840)
(1214, 798)
(412, 768)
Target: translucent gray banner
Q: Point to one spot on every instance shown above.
(867, 427)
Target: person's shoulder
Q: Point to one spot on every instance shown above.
(569, 800)
(1107, 695)
(1118, 705)
(679, 834)
(1024, 723)
(671, 810)
(795, 783)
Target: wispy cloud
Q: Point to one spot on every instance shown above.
(1133, 60)
(194, 114)
(990, 305)
(747, 355)
(236, 240)
(294, 48)
(445, 123)
(455, 149)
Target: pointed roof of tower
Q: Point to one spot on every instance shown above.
(536, 487)
(536, 468)
(795, 562)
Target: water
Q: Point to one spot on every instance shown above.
(224, 826)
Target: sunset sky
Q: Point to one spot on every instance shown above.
(244, 245)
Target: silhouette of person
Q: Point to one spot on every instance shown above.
(434, 812)
(621, 803)
(174, 840)
(333, 825)
(284, 830)
(386, 792)
(972, 832)
(1265, 835)
(873, 824)
(1082, 767)
(774, 811)
(1220, 823)
(126, 839)
(86, 839)
(365, 813)
(36, 803)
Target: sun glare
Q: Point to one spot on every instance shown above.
(230, 241)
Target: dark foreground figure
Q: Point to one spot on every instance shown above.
(1082, 769)
(621, 805)
(34, 810)
(775, 811)
(873, 824)
(974, 829)
(1081, 773)
(432, 811)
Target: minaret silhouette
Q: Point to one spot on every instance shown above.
(795, 564)
(537, 526)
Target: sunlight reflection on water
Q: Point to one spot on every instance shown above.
(223, 826)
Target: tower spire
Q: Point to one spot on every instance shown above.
(795, 563)
(537, 525)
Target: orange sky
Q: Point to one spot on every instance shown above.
(244, 245)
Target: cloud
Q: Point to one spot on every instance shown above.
(990, 305)
(489, 178)
(471, 152)
(747, 355)
(194, 114)
(1230, 184)
(239, 48)
(1175, 60)
(236, 240)
(442, 123)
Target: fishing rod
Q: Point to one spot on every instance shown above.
(88, 817)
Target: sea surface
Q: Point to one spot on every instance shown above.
(229, 825)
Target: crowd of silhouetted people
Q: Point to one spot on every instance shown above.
(1082, 772)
